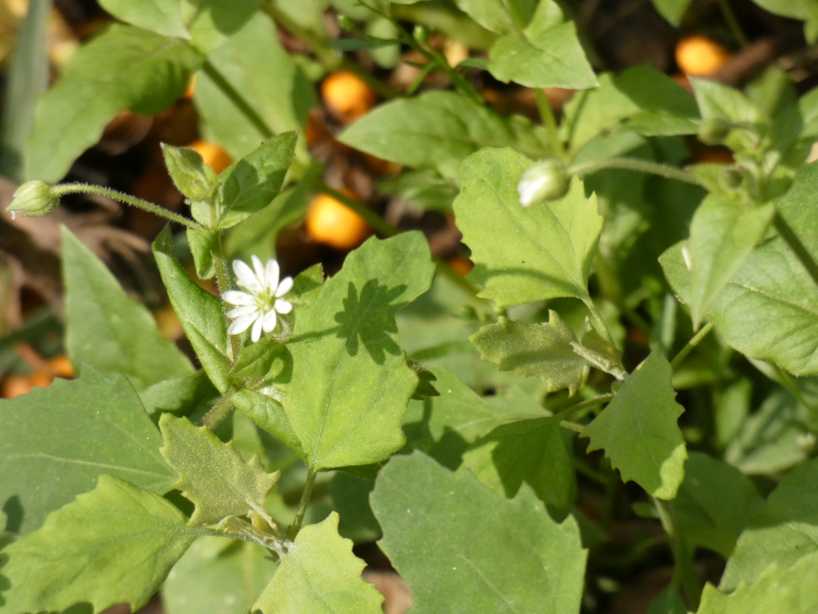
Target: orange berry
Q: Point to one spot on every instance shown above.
(15, 386)
(700, 56)
(347, 96)
(460, 265)
(168, 323)
(213, 155)
(41, 379)
(332, 223)
(61, 367)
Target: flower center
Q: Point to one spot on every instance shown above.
(264, 300)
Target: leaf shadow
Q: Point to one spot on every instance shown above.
(368, 319)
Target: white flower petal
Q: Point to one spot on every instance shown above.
(244, 310)
(258, 268)
(245, 276)
(271, 274)
(282, 306)
(285, 286)
(235, 297)
(269, 321)
(239, 325)
(255, 335)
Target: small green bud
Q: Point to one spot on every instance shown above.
(421, 33)
(714, 130)
(346, 23)
(34, 198)
(546, 180)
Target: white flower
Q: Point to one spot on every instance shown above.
(261, 302)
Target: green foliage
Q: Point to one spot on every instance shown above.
(435, 129)
(350, 383)
(106, 329)
(522, 560)
(78, 431)
(212, 474)
(524, 255)
(319, 574)
(112, 545)
(123, 68)
(638, 430)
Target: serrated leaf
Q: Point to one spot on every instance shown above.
(542, 350)
(55, 442)
(714, 504)
(531, 452)
(199, 312)
(123, 68)
(463, 548)
(722, 235)
(350, 382)
(212, 474)
(112, 545)
(252, 182)
(783, 531)
(528, 254)
(547, 53)
(434, 129)
(638, 430)
(108, 330)
(279, 94)
(319, 575)
(219, 576)
(790, 590)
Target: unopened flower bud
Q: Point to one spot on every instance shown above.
(421, 33)
(546, 180)
(34, 198)
(714, 130)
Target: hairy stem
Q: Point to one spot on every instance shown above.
(632, 164)
(127, 199)
(306, 495)
(690, 345)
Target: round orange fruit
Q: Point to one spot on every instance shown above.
(346, 95)
(213, 155)
(332, 223)
(699, 55)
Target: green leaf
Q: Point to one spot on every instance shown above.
(212, 474)
(252, 182)
(123, 68)
(161, 16)
(783, 531)
(461, 547)
(435, 129)
(179, 395)
(543, 350)
(528, 254)
(203, 242)
(319, 575)
(268, 415)
(531, 452)
(350, 492)
(790, 590)
(108, 330)
(672, 10)
(199, 312)
(717, 101)
(75, 430)
(547, 53)
(278, 95)
(714, 504)
(640, 98)
(638, 430)
(112, 545)
(189, 173)
(350, 382)
(495, 16)
(457, 415)
(26, 80)
(772, 439)
(722, 235)
(219, 576)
